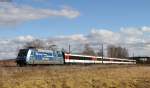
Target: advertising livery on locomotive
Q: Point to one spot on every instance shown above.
(39, 56)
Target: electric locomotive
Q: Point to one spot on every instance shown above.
(39, 56)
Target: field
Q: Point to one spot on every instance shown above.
(76, 76)
(9, 62)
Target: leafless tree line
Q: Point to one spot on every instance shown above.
(117, 51)
(112, 51)
(37, 43)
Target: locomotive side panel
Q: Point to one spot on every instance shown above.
(46, 57)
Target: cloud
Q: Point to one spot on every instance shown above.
(132, 31)
(146, 29)
(27, 38)
(14, 14)
(9, 47)
(136, 40)
(76, 37)
(39, 0)
(5, 0)
(103, 35)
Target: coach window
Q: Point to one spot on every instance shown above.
(88, 58)
(99, 58)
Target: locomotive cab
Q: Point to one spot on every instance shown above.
(21, 58)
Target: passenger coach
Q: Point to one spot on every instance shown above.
(73, 58)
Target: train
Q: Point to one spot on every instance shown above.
(50, 57)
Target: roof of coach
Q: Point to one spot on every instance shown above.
(79, 55)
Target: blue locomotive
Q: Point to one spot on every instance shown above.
(39, 56)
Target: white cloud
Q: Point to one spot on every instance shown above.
(146, 29)
(135, 35)
(135, 43)
(76, 37)
(104, 35)
(27, 38)
(13, 14)
(137, 40)
(5, 0)
(9, 47)
(132, 31)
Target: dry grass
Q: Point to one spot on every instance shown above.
(95, 76)
(10, 62)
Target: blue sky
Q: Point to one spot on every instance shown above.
(101, 14)
(123, 23)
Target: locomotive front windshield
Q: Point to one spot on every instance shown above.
(23, 53)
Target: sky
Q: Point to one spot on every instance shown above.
(120, 22)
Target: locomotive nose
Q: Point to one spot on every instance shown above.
(20, 61)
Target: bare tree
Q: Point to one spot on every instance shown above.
(88, 50)
(52, 47)
(100, 53)
(50, 44)
(118, 52)
(37, 43)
